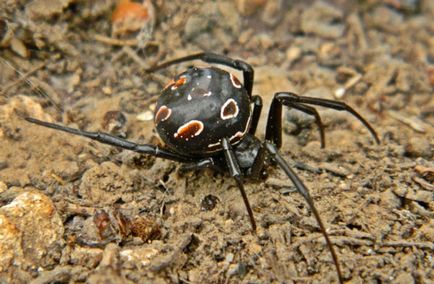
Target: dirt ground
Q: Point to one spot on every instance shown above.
(73, 210)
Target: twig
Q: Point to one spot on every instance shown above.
(413, 122)
(115, 41)
(421, 245)
(343, 240)
(22, 78)
(48, 93)
(36, 84)
(423, 183)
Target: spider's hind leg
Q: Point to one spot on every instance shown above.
(302, 189)
(208, 57)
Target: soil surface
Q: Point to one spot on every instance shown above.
(74, 210)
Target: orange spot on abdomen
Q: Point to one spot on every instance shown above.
(189, 130)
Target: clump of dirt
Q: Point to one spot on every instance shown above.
(73, 210)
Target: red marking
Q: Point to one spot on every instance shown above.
(162, 114)
(189, 130)
(179, 82)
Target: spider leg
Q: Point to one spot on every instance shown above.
(274, 125)
(258, 164)
(302, 189)
(209, 57)
(115, 141)
(257, 108)
(201, 164)
(235, 172)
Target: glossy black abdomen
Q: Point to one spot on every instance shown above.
(200, 107)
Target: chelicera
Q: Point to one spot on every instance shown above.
(207, 118)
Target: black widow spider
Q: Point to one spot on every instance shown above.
(207, 119)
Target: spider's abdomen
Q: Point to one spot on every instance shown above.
(200, 107)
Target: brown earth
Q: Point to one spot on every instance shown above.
(74, 210)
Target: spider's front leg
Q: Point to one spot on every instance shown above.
(115, 141)
(235, 172)
(301, 103)
(207, 163)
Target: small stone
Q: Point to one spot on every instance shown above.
(19, 48)
(265, 40)
(3, 187)
(249, 7)
(404, 278)
(272, 12)
(145, 116)
(423, 196)
(400, 191)
(129, 17)
(107, 90)
(339, 92)
(293, 53)
(419, 147)
(31, 231)
(142, 256)
(229, 257)
(44, 9)
(208, 203)
(322, 19)
(390, 199)
(387, 19)
(84, 256)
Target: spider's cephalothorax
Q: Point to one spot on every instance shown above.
(199, 108)
(208, 119)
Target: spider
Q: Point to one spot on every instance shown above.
(207, 118)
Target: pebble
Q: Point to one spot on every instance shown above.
(322, 19)
(293, 53)
(145, 116)
(404, 278)
(249, 7)
(209, 202)
(31, 232)
(390, 199)
(84, 256)
(195, 25)
(42, 9)
(419, 147)
(272, 13)
(387, 19)
(142, 256)
(3, 187)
